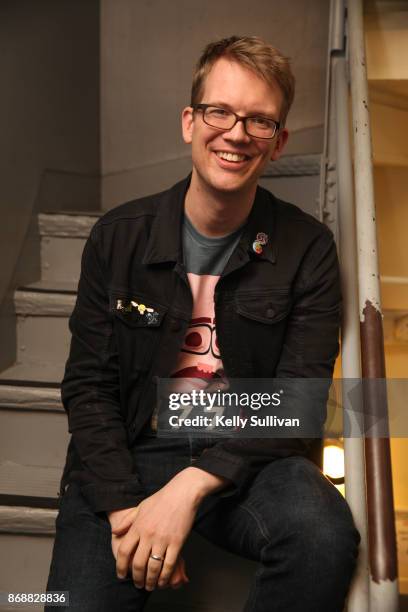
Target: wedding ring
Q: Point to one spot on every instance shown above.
(156, 557)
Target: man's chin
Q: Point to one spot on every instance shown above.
(231, 185)
(226, 183)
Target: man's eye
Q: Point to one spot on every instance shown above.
(218, 112)
(260, 122)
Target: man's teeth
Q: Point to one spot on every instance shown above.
(235, 157)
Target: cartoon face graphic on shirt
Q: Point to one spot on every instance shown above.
(200, 354)
(199, 358)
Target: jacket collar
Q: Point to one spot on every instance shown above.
(165, 244)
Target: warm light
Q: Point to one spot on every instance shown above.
(333, 461)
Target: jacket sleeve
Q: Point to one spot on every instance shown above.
(309, 351)
(90, 394)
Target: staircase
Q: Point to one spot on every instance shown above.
(33, 424)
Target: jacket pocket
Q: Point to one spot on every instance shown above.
(138, 330)
(268, 308)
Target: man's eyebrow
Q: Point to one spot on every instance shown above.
(220, 104)
(255, 113)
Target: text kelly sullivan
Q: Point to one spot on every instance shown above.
(234, 421)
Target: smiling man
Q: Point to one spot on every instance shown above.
(213, 279)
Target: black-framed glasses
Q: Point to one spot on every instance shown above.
(223, 119)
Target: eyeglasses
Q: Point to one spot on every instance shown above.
(222, 119)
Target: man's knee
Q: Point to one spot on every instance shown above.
(326, 533)
(314, 516)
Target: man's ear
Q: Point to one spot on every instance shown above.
(187, 124)
(281, 141)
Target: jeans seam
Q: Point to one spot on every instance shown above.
(260, 524)
(254, 592)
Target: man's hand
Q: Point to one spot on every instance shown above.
(116, 516)
(159, 526)
(178, 577)
(115, 519)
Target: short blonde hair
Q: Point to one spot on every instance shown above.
(253, 53)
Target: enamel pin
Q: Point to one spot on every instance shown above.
(149, 314)
(260, 241)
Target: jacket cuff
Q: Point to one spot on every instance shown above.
(226, 465)
(113, 496)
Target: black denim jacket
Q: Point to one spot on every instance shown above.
(277, 315)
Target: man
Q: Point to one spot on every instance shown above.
(160, 277)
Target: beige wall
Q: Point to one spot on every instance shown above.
(391, 194)
(390, 134)
(387, 44)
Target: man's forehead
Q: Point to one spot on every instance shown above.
(231, 84)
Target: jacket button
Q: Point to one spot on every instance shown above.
(270, 313)
(175, 326)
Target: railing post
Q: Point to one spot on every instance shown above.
(358, 599)
(381, 522)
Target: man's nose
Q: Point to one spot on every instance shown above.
(237, 133)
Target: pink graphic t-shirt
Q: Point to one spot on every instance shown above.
(204, 259)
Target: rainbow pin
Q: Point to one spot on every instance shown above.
(260, 241)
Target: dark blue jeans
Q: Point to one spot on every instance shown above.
(291, 520)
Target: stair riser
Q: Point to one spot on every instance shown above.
(32, 437)
(43, 339)
(61, 258)
(24, 562)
